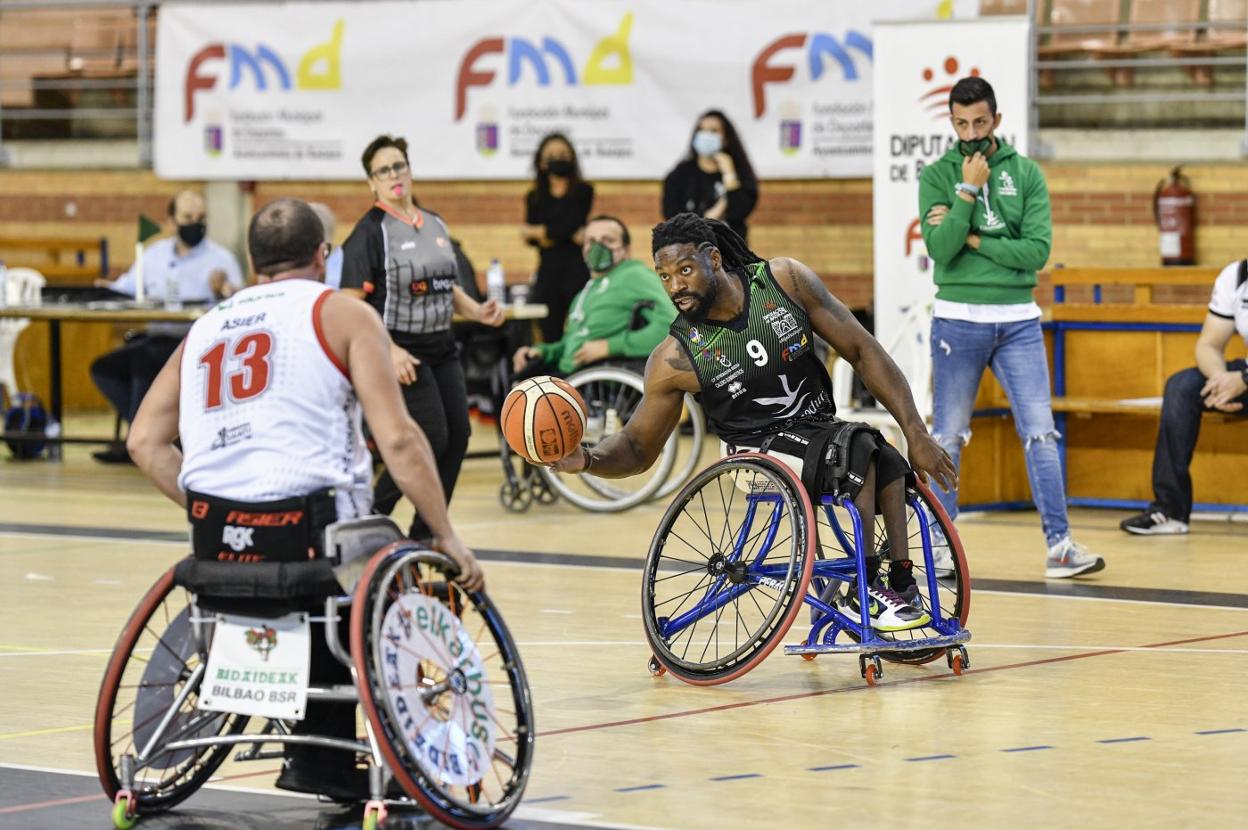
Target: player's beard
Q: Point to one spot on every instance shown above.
(702, 302)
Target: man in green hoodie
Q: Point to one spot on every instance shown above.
(600, 323)
(987, 229)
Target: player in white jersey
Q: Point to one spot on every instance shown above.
(266, 394)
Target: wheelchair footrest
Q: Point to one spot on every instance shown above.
(881, 646)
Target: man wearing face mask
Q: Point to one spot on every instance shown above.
(202, 272)
(622, 313)
(987, 228)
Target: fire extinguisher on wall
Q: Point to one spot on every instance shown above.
(1174, 209)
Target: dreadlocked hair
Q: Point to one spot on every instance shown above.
(696, 230)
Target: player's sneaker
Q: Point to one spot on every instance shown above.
(1067, 559)
(1153, 523)
(889, 611)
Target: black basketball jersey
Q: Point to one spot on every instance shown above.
(759, 372)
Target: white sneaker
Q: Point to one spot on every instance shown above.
(942, 554)
(1067, 559)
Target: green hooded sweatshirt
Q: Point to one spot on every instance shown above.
(1011, 216)
(603, 310)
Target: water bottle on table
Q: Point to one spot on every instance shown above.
(496, 282)
(173, 294)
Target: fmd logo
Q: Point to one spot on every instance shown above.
(818, 46)
(319, 68)
(539, 56)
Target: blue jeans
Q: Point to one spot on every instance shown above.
(1015, 351)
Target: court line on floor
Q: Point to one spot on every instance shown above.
(1059, 590)
(848, 689)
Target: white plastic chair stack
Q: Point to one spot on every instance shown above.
(910, 348)
(22, 287)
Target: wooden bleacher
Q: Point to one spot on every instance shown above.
(1109, 361)
(63, 260)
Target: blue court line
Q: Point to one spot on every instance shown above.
(932, 758)
(640, 788)
(1221, 731)
(834, 767)
(547, 798)
(1124, 740)
(1027, 748)
(737, 777)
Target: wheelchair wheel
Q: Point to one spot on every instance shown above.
(155, 658)
(728, 569)
(689, 448)
(611, 396)
(443, 688)
(953, 592)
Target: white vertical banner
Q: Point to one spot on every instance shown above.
(916, 65)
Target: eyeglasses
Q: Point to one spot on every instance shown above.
(396, 169)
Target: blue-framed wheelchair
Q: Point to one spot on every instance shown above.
(446, 708)
(742, 549)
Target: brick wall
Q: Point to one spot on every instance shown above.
(1102, 216)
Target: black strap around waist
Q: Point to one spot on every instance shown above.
(285, 530)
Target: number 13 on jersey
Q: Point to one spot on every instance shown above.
(239, 368)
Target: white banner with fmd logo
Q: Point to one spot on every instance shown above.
(297, 90)
(916, 65)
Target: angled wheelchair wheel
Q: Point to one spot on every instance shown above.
(728, 569)
(442, 687)
(953, 591)
(611, 396)
(152, 680)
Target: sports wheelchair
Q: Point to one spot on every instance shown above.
(611, 394)
(446, 704)
(742, 548)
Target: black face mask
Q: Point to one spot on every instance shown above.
(192, 233)
(559, 167)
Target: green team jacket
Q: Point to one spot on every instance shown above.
(603, 310)
(1011, 216)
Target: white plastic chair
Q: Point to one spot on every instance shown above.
(22, 287)
(911, 349)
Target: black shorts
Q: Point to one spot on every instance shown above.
(836, 456)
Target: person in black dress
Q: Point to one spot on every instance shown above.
(715, 179)
(555, 213)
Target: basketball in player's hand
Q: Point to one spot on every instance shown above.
(544, 419)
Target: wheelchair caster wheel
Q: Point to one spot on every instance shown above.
(958, 660)
(656, 668)
(515, 498)
(542, 493)
(871, 667)
(124, 815)
(374, 815)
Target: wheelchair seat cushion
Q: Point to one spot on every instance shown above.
(261, 588)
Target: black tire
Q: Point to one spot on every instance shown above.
(404, 589)
(708, 543)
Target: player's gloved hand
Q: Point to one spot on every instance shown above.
(930, 461)
(470, 575)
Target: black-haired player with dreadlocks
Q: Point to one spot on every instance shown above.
(744, 339)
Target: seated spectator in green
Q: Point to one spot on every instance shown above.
(622, 313)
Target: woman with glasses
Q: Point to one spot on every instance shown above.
(555, 211)
(400, 260)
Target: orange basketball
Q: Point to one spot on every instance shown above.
(544, 419)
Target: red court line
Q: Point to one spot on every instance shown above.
(60, 802)
(39, 805)
(804, 695)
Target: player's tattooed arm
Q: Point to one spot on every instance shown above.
(679, 360)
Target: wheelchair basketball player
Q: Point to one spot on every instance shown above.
(744, 339)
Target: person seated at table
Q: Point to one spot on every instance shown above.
(602, 322)
(203, 272)
(1214, 384)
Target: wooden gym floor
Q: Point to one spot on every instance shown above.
(1114, 701)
